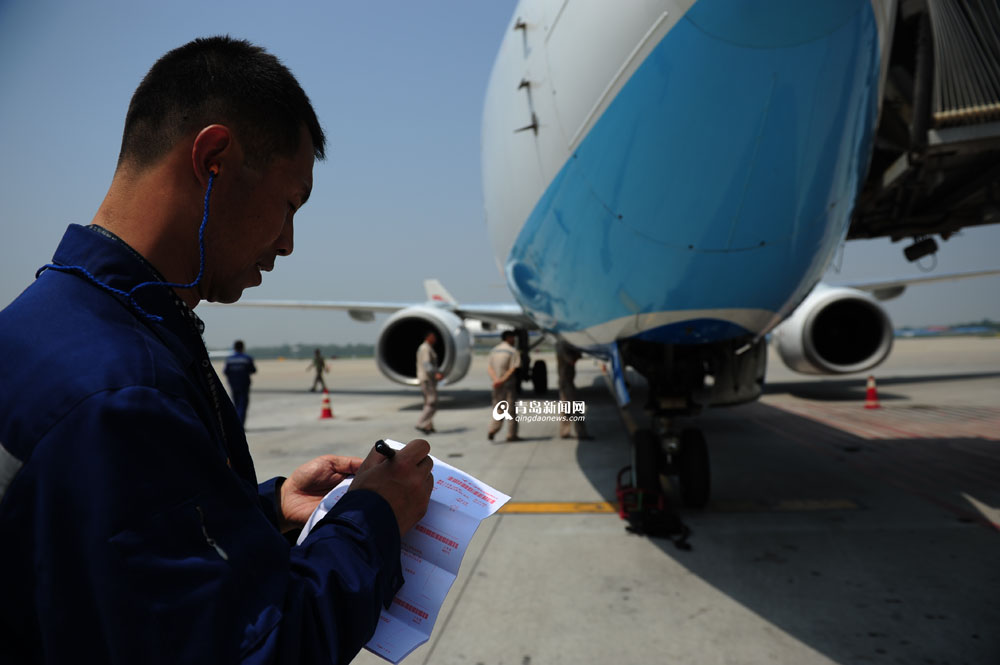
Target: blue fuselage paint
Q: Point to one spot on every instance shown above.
(721, 177)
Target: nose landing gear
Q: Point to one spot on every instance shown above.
(644, 488)
(690, 463)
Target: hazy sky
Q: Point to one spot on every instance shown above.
(398, 87)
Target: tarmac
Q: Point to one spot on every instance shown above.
(835, 533)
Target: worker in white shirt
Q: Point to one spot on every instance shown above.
(502, 365)
(428, 375)
(566, 357)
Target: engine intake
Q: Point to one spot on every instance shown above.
(836, 330)
(404, 331)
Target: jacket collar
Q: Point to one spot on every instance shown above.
(112, 263)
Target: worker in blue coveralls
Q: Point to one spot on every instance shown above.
(132, 525)
(239, 367)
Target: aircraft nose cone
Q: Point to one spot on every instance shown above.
(771, 23)
(527, 288)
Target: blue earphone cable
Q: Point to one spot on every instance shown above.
(130, 295)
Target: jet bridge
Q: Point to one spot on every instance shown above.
(936, 165)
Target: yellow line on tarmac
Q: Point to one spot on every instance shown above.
(557, 507)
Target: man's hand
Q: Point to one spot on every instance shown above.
(302, 492)
(405, 481)
(438, 376)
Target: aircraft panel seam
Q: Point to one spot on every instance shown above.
(631, 63)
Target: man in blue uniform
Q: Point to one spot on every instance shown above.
(239, 367)
(132, 523)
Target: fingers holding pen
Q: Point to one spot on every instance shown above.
(380, 453)
(402, 477)
(417, 449)
(416, 452)
(377, 455)
(420, 450)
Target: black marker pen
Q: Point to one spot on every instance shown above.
(383, 448)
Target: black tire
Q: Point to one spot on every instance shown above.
(540, 377)
(646, 457)
(693, 471)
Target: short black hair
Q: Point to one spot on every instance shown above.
(219, 80)
(238, 346)
(507, 334)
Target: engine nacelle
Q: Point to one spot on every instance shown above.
(836, 330)
(404, 331)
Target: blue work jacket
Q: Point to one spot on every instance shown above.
(238, 368)
(132, 527)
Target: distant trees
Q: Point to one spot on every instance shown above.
(301, 351)
(985, 328)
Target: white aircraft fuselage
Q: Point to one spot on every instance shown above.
(675, 171)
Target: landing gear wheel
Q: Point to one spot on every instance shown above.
(693, 469)
(646, 461)
(540, 377)
(652, 514)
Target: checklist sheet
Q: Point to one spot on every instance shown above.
(432, 552)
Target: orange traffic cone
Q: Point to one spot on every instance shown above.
(871, 395)
(327, 411)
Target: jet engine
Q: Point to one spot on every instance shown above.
(404, 331)
(836, 330)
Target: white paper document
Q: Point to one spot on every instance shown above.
(432, 551)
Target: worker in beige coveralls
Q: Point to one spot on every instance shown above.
(502, 364)
(428, 375)
(566, 357)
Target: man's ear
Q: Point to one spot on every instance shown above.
(212, 152)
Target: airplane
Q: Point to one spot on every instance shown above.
(666, 182)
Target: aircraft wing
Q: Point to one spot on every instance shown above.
(500, 313)
(888, 289)
(509, 314)
(357, 310)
